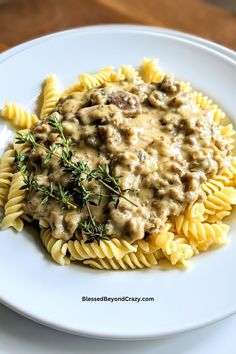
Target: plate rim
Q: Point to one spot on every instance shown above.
(160, 30)
(27, 45)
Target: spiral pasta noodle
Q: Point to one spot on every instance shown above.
(194, 212)
(215, 184)
(203, 235)
(177, 251)
(117, 76)
(56, 248)
(228, 132)
(74, 88)
(6, 173)
(18, 116)
(14, 206)
(131, 260)
(150, 71)
(185, 86)
(81, 250)
(130, 73)
(50, 96)
(230, 172)
(207, 235)
(218, 202)
(206, 103)
(148, 245)
(89, 81)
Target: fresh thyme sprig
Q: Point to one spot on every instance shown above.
(93, 232)
(30, 181)
(80, 176)
(20, 162)
(102, 174)
(49, 191)
(55, 123)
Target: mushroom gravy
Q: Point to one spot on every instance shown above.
(154, 137)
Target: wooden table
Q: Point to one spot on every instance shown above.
(21, 20)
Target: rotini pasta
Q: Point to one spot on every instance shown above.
(18, 116)
(177, 251)
(130, 74)
(194, 212)
(205, 103)
(56, 248)
(88, 81)
(228, 132)
(230, 172)
(114, 248)
(50, 96)
(131, 260)
(215, 184)
(204, 235)
(181, 163)
(150, 71)
(219, 202)
(6, 173)
(14, 206)
(148, 245)
(117, 76)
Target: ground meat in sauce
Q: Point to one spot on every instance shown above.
(153, 136)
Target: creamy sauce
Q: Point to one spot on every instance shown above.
(153, 136)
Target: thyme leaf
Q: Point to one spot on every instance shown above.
(93, 232)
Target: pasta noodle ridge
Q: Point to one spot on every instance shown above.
(14, 206)
(50, 96)
(6, 173)
(19, 116)
(56, 248)
(81, 250)
(131, 260)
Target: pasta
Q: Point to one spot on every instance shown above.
(150, 71)
(111, 187)
(88, 81)
(6, 173)
(129, 261)
(194, 213)
(130, 73)
(14, 206)
(50, 96)
(228, 132)
(218, 204)
(91, 81)
(204, 235)
(18, 116)
(204, 102)
(230, 172)
(177, 251)
(81, 250)
(117, 76)
(56, 248)
(215, 184)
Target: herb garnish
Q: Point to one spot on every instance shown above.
(93, 231)
(30, 181)
(80, 176)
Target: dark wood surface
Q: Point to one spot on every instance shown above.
(21, 20)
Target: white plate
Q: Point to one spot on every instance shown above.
(50, 294)
(226, 51)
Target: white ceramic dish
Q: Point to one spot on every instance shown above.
(47, 293)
